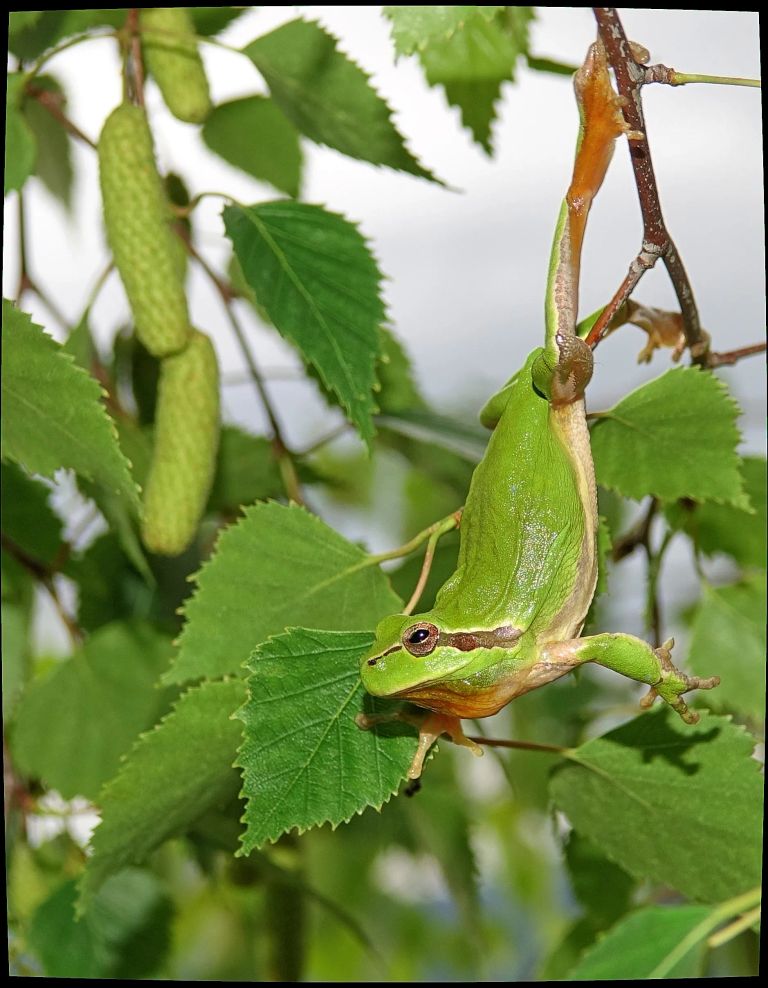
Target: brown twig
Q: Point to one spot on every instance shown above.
(524, 745)
(26, 282)
(45, 577)
(133, 53)
(638, 535)
(282, 452)
(731, 356)
(52, 102)
(657, 243)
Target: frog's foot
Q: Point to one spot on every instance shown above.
(674, 683)
(430, 729)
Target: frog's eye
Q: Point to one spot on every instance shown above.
(421, 639)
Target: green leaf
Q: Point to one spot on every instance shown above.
(254, 135)
(413, 28)
(328, 97)
(276, 566)
(671, 803)
(27, 518)
(726, 528)
(313, 273)
(53, 163)
(20, 144)
(305, 762)
(728, 640)
(246, 471)
(35, 35)
(72, 726)
(53, 412)
(602, 887)
(211, 20)
(109, 588)
(673, 437)
(172, 775)
(473, 62)
(397, 389)
(125, 933)
(650, 943)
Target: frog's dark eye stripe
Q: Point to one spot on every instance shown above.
(420, 639)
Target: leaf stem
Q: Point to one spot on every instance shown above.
(732, 907)
(554, 749)
(671, 77)
(731, 356)
(440, 527)
(69, 43)
(51, 102)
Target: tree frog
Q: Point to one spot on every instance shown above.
(509, 618)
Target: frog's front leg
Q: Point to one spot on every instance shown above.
(637, 660)
(431, 726)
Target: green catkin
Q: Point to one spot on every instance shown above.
(185, 445)
(170, 51)
(139, 233)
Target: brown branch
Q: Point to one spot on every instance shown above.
(638, 535)
(731, 356)
(657, 243)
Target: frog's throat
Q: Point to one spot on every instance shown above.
(466, 641)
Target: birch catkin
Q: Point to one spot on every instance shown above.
(185, 446)
(139, 233)
(170, 51)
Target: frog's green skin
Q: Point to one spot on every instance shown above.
(508, 620)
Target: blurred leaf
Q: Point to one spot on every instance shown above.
(305, 762)
(413, 28)
(246, 471)
(643, 794)
(27, 517)
(397, 391)
(15, 625)
(53, 411)
(726, 528)
(172, 775)
(253, 134)
(430, 428)
(474, 60)
(122, 521)
(73, 725)
(211, 20)
(295, 568)
(651, 442)
(728, 640)
(20, 144)
(53, 162)
(125, 932)
(109, 586)
(80, 345)
(603, 889)
(649, 944)
(328, 97)
(33, 35)
(315, 276)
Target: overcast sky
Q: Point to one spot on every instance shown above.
(465, 269)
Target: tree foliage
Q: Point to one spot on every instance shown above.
(207, 708)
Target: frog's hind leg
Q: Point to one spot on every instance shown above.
(637, 660)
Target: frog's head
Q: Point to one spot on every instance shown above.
(410, 652)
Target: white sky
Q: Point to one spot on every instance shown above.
(465, 270)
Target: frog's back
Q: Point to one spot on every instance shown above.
(527, 544)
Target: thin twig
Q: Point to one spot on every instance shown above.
(731, 356)
(45, 577)
(135, 56)
(636, 536)
(524, 745)
(657, 243)
(671, 77)
(26, 282)
(52, 103)
(282, 452)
